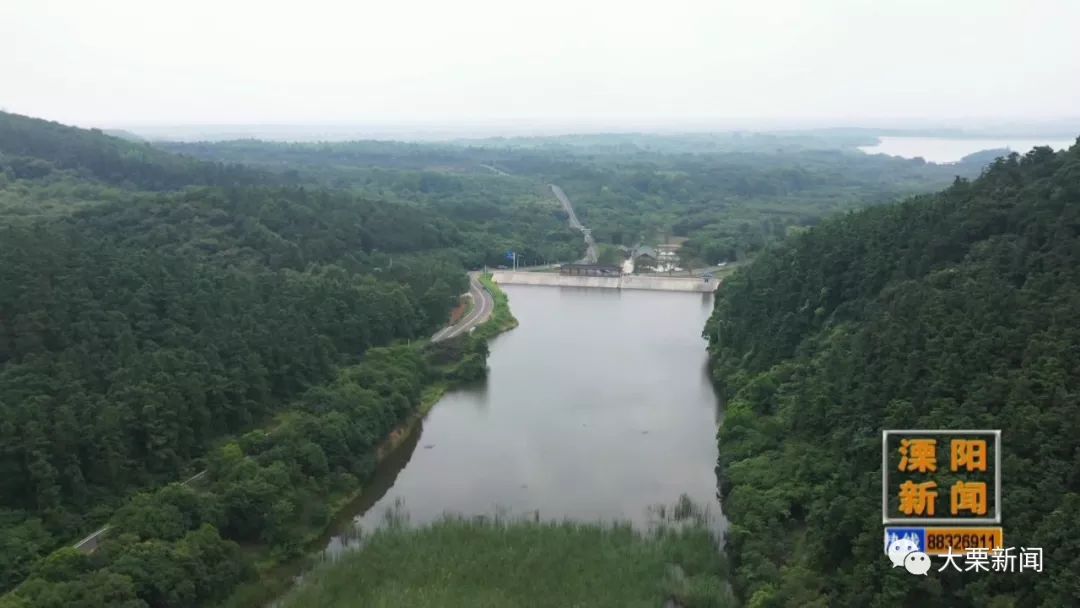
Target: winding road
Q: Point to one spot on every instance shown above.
(483, 304)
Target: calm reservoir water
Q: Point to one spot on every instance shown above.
(597, 407)
(948, 150)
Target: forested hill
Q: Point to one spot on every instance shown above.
(152, 305)
(728, 194)
(957, 310)
(35, 148)
(326, 156)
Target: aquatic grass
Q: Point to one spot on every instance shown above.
(493, 562)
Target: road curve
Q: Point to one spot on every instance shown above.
(483, 305)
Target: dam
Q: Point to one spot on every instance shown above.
(588, 273)
(626, 281)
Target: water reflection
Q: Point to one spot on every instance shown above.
(477, 393)
(951, 150)
(597, 407)
(345, 531)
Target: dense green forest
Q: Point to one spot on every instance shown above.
(181, 545)
(730, 194)
(154, 305)
(261, 311)
(954, 310)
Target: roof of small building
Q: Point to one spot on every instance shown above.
(591, 266)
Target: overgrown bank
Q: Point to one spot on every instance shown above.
(522, 564)
(459, 360)
(501, 318)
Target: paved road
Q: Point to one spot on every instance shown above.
(590, 244)
(91, 542)
(483, 305)
(496, 170)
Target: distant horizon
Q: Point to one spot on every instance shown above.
(436, 129)
(445, 129)
(561, 65)
(1001, 126)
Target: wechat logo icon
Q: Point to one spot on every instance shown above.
(917, 563)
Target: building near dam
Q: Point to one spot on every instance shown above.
(590, 270)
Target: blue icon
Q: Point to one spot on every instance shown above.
(913, 539)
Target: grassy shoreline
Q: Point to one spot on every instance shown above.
(479, 563)
(501, 318)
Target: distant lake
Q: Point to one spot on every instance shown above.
(951, 150)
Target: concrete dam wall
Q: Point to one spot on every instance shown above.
(696, 284)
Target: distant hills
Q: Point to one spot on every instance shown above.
(38, 147)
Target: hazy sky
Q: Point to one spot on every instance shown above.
(129, 62)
